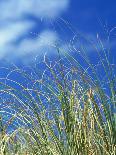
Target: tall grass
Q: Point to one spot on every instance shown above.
(63, 110)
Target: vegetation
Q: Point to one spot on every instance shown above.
(66, 109)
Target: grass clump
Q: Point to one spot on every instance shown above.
(64, 110)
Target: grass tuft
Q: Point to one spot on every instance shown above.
(64, 110)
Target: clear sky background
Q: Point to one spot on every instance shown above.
(32, 27)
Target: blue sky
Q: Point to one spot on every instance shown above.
(32, 28)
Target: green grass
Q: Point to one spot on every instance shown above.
(68, 111)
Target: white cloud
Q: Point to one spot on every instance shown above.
(16, 9)
(26, 47)
(13, 30)
(10, 33)
(15, 23)
(46, 39)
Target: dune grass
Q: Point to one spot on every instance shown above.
(63, 110)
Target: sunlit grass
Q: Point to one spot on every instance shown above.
(63, 110)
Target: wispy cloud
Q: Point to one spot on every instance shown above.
(45, 41)
(28, 46)
(10, 33)
(13, 30)
(15, 22)
(13, 10)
